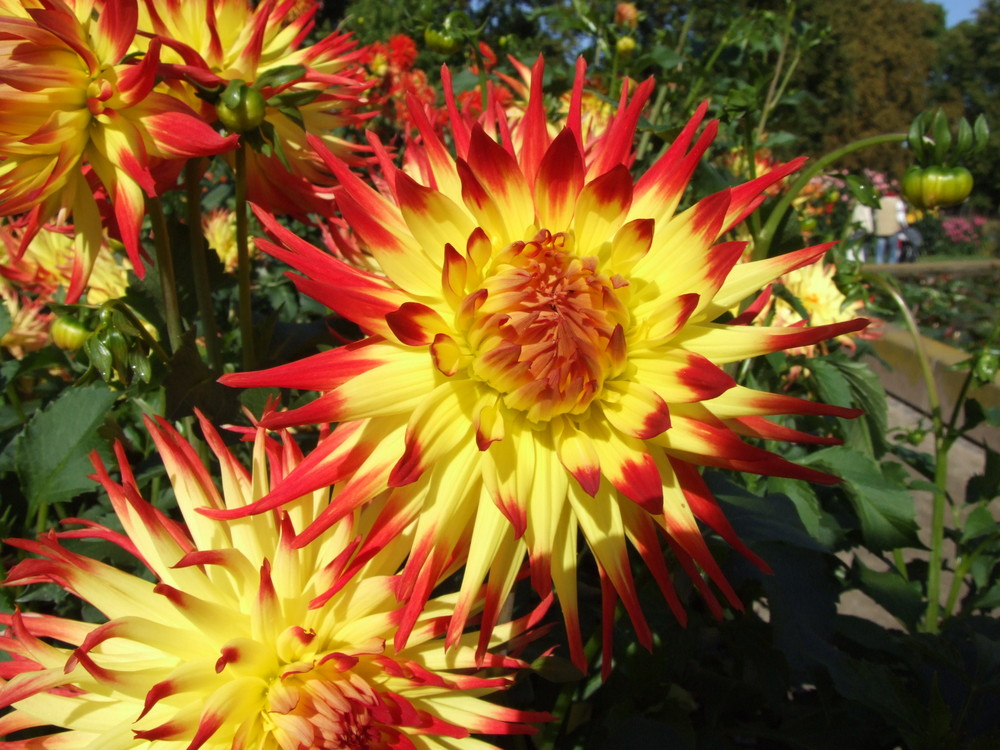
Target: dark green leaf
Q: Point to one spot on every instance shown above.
(963, 142)
(982, 133)
(985, 486)
(820, 525)
(942, 136)
(973, 413)
(863, 190)
(884, 508)
(5, 321)
(915, 139)
(978, 523)
(276, 77)
(52, 458)
(761, 519)
(664, 57)
(902, 599)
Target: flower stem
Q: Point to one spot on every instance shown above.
(942, 444)
(762, 242)
(168, 279)
(243, 260)
(199, 263)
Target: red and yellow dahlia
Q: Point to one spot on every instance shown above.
(240, 640)
(76, 114)
(213, 42)
(543, 360)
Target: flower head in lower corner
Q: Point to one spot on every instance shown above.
(543, 359)
(242, 641)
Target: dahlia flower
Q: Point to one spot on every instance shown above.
(75, 112)
(29, 321)
(46, 264)
(212, 42)
(816, 290)
(241, 640)
(542, 359)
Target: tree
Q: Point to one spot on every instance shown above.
(967, 82)
(868, 77)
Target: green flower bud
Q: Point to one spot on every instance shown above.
(240, 107)
(68, 333)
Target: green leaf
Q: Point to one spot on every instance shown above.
(985, 486)
(942, 136)
(5, 321)
(820, 525)
(664, 57)
(848, 383)
(963, 143)
(973, 413)
(52, 457)
(277, 77)
(902, 599)
(760, 519)
(884, 508)
(978, 523)
(915, 139)
(982, 132)
(863, 190)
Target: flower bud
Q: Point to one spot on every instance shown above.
(626, 14)
(240, 107)
(68, 333)
(625, 46)
(441, 41)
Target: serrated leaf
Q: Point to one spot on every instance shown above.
(760, 519)
(900, 598)
(820, 525)
(884, 508)
(52, 457)
(978, 523)
(848, 383)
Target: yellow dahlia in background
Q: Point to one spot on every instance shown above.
(77, 116)
(29, 322)
(47, 263)
(309, 88)
(815, 288)
(219, 227)
(542, 360)
(240, 640)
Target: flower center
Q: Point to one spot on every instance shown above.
(326, 709)
(549, 329)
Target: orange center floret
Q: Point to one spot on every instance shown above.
(550, 330)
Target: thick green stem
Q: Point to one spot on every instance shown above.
(168, 279)
(199, 264)
(942, 444)
(762, 242)
(243, 260)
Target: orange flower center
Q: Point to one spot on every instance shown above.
(324, 708)
(549, 329)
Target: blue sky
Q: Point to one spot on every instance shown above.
(958, 10)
